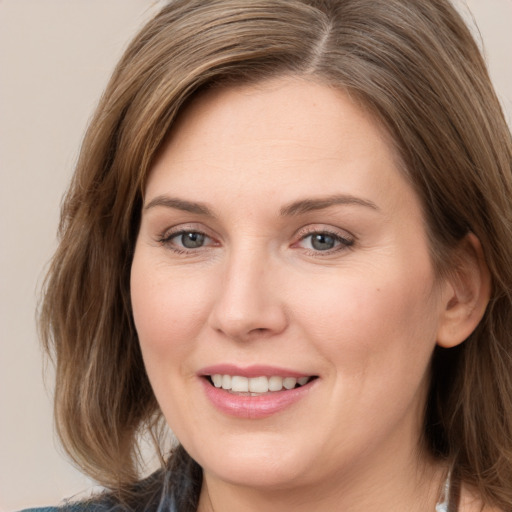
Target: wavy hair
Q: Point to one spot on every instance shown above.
(415, 65)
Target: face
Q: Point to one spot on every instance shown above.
(282, 289)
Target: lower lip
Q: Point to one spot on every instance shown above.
(254, 407)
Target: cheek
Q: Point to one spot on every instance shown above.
(377, 336)
(168, 308)
(363, 320)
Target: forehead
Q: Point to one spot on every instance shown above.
(301, 109)
(261, 138)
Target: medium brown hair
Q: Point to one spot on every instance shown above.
(414, 64)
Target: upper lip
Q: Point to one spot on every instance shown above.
(251, 371)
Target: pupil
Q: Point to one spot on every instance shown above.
(322, 242)
(192, 240)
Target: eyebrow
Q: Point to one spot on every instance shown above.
(308, 205)
(179, 204)
(295, 208)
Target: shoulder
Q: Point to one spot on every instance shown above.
(74, 507)
(40, 509)
(147, 494)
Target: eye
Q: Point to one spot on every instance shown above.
(191, 239)
(324, 241)
(186, 240)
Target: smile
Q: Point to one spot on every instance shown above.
(255, 392)
(255, 386)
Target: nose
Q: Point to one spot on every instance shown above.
(249, 303)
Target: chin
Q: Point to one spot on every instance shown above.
(270, 476)
(257, 466)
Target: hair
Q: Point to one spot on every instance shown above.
(416, 67)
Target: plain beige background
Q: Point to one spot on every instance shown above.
(55, 58)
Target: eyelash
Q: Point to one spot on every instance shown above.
(167, 237)
(343, 242)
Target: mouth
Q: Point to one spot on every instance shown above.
(256, 391)
(257, 386)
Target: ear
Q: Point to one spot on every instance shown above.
(466, 293)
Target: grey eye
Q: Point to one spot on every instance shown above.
(187, 240)
(323, 241)
(191, 239)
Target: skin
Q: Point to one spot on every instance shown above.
(363, 316)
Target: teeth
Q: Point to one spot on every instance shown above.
(275, 383)
(226, 382)
(258, 385)
(239, 384)
(289, 382)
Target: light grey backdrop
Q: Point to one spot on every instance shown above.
(55, 58)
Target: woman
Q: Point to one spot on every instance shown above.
(289, 236)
